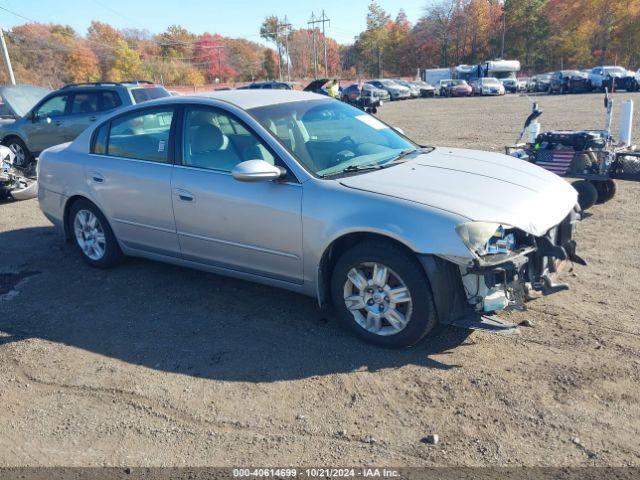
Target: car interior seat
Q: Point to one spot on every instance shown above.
(211, 149)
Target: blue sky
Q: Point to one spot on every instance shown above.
(237, 18)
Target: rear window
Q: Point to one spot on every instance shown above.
(148, 93)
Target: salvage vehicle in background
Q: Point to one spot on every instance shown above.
(364, 96)
(513, 85)
(611, 77)
(299, 191)
(413, 88)
(592, 157)
(426, 89)
(267, 86)
(62, 115)
(15, 103)
(539, 83)
(569, 81)
(456, 88)
(395, 91)
(488, 86)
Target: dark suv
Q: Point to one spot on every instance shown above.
(62, 115)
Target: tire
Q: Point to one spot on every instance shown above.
(18, 147)
(403, 270)
(606, 190)
(105, 252)
(587, 194)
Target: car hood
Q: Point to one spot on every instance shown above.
(19, 99)
(480, 186)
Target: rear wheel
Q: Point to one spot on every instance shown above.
(93, 236)
(587, 194)
(382, 294)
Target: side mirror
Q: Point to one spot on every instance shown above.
(257, 171)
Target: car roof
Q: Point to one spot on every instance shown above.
(247, 99)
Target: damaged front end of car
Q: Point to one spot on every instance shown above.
(508, 268)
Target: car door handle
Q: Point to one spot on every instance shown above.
(57, 123)
(96, 177)
(184, 195)
(93, 119)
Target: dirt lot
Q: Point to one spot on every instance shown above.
(150, 364)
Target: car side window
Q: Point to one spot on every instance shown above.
(54, 107)
(84, 102)
(109, 100)
(215, 140)
(100, 138)
(141, 135)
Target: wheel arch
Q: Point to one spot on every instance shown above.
(443, 277)
(10, 135)
(67, 210)
(337, 247)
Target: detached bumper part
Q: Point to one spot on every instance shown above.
(26, 193)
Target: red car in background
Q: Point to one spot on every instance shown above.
(456, 88)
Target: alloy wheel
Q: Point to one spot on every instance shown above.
(89, 234)
(19, 152)
(378, 299)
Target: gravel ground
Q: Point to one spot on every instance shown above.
(150, 364)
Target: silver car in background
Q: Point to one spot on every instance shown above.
(300, 191)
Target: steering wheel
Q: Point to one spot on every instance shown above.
(347, 152)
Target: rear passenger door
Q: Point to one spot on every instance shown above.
(248, 227)
(129, 174)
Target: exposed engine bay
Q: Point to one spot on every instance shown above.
(513, 266)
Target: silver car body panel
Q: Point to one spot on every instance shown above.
(481, 186)
(277, 232)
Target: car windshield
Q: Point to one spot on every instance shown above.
(490, 81)
(330, 137)
(20, 98)
(148, 93)
(459, 82)
(620, 70)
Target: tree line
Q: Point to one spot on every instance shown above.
(544, 35)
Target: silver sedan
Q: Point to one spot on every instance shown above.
(304, 192)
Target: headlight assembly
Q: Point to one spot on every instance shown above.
(484, 238)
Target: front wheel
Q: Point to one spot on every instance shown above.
(22, 154)
(382, 294)
(93, 235)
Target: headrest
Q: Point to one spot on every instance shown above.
(207, 138)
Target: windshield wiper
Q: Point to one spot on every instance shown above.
(405, 153)
(360, 168)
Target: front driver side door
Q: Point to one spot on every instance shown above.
(253, 228)
(45, 128)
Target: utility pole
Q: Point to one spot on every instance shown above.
(219, 49)
(504, 29)
(324, 19)
(7, 60)
(287, 30)
(313, 22)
